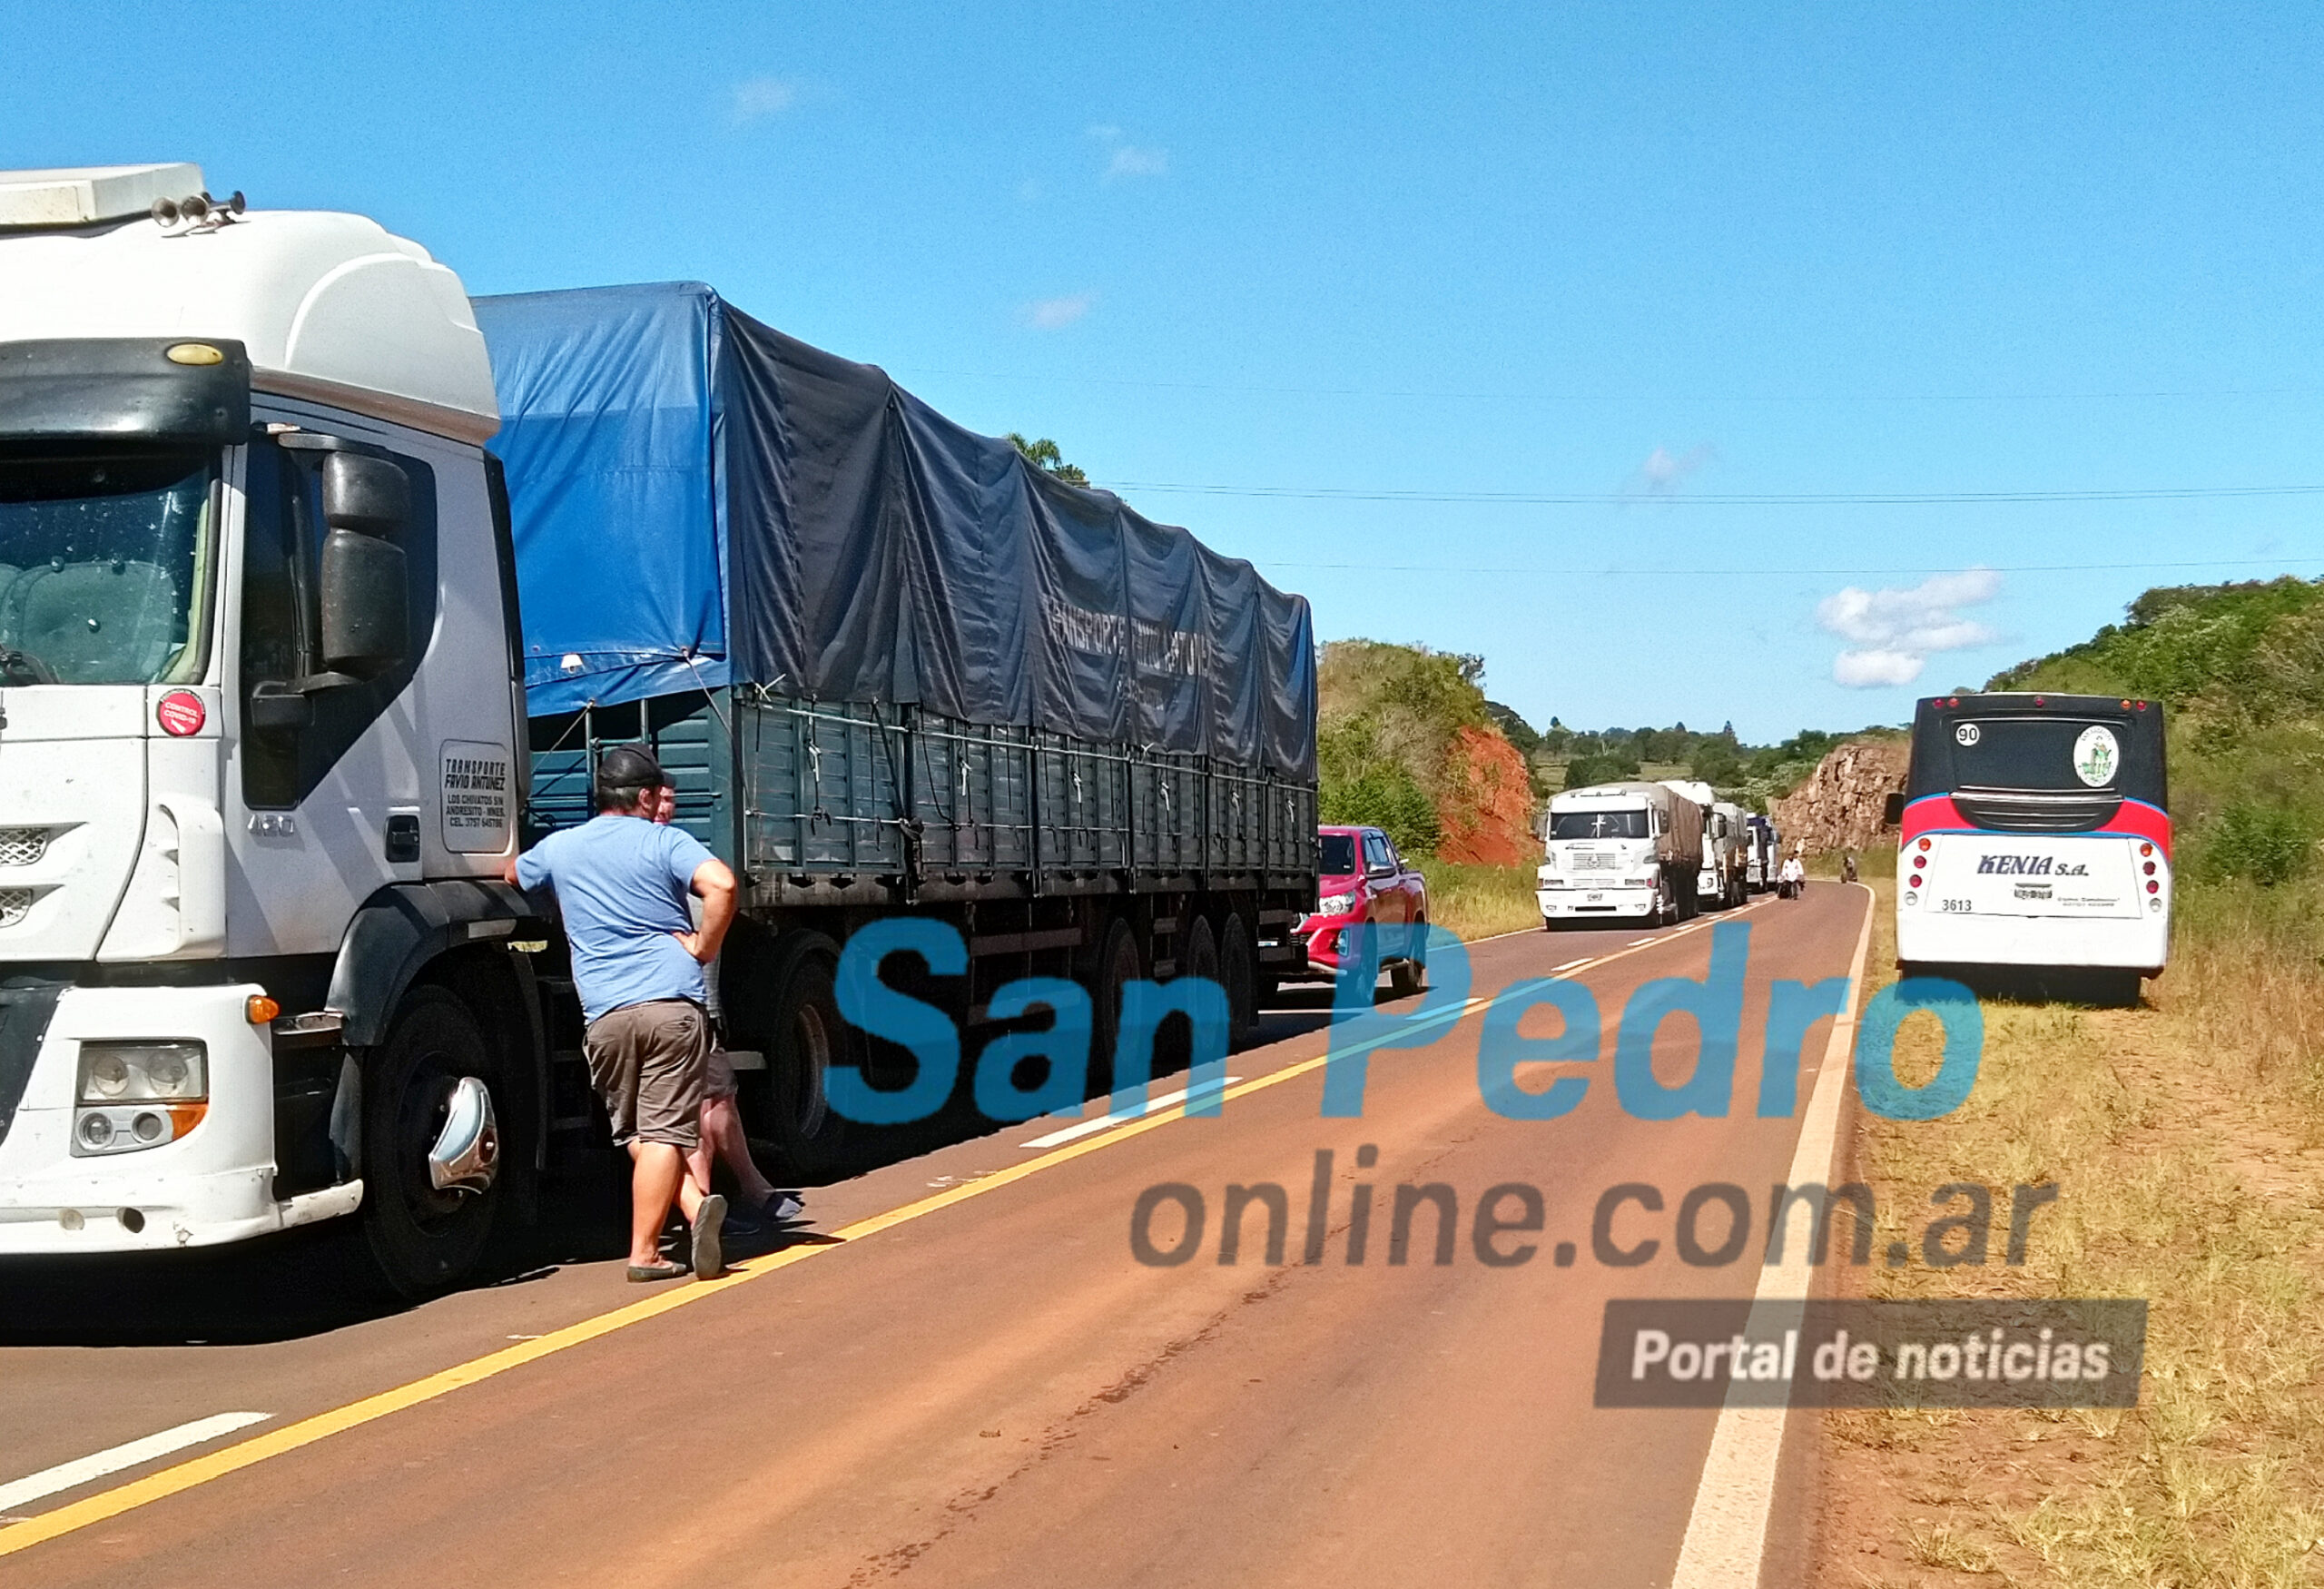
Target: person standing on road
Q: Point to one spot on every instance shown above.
(1793, 876)
(722, 1118)
(622, 882)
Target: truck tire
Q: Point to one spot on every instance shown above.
(1198, 957)
(422, 1240)
(1238, 974)
(1116, 964)
(805, 1037)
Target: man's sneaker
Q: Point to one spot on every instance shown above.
(709, 1261)
(784, 1206)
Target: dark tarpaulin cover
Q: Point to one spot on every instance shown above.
(699, 500)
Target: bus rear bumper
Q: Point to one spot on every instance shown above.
(2112, 943)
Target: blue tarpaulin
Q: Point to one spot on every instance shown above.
(700, 501)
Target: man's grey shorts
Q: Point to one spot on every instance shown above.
(646, 1061)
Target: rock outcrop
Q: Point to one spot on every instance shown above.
(1486, 809)
(1839, 807)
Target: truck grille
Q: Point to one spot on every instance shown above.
(16, 904)
(23, 846)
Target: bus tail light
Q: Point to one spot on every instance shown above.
(2152, 886)
(2146, 849)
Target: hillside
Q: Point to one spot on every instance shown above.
(2241, 670)
(1407, 742)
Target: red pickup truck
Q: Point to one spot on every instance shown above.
(1366, 880)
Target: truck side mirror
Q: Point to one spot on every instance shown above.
(1892, 809)
(366, 622)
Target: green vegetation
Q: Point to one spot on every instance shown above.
(1752, 775)
(1480, 902)
(1046, 455)
(1388, 716)
(2241, 670)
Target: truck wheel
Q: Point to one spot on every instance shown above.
(1238, 974)
(423, 1239)
(1198, 957)
(806, 1037)
(1114, 967)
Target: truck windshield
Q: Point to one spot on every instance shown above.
(1598, 825)
(1339, 855)
(105, 555)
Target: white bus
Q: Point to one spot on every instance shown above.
(2034, 843)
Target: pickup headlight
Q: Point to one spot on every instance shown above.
(136, 1095)
(1335, 904)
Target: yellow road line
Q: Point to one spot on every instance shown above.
(200, 1470)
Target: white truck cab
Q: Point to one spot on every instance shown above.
(258, 725)
(1617, 851)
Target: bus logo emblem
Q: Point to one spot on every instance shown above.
(1967, 734)
(2096, 755)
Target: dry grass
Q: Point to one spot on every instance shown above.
(2184, 1136)
(1477, 902)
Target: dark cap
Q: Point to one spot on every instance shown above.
(624, 772)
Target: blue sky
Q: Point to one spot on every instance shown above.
(1639, 255)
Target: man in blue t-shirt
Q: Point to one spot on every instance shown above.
(622, 882)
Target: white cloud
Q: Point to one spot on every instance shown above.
(1863, 670)
(1892, 631)
(760, 97)
(1127, 159)
(1663, 469)
(1049, 314)
(1131, 161)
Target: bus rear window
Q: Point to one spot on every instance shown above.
(2067, 755)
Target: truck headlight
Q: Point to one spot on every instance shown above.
(1335, 904)
(136, 1095)
(125, 1073)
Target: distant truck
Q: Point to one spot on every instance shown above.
(1732, 825)
(1718, 875)
(1763, 855)
(293, 664)
(1620, 850)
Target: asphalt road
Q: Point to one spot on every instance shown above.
(978, 1383)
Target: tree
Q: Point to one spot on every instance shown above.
(1045, 455)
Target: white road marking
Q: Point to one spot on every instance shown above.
(1638, 942)
(1726, 1532)
(67, 1475)
(1568, 965)
(1103, 1121)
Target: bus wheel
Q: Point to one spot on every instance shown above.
(431, 1147)
(807, 1036)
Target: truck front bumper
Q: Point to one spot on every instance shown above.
(212, 1184)
(1582, 903)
